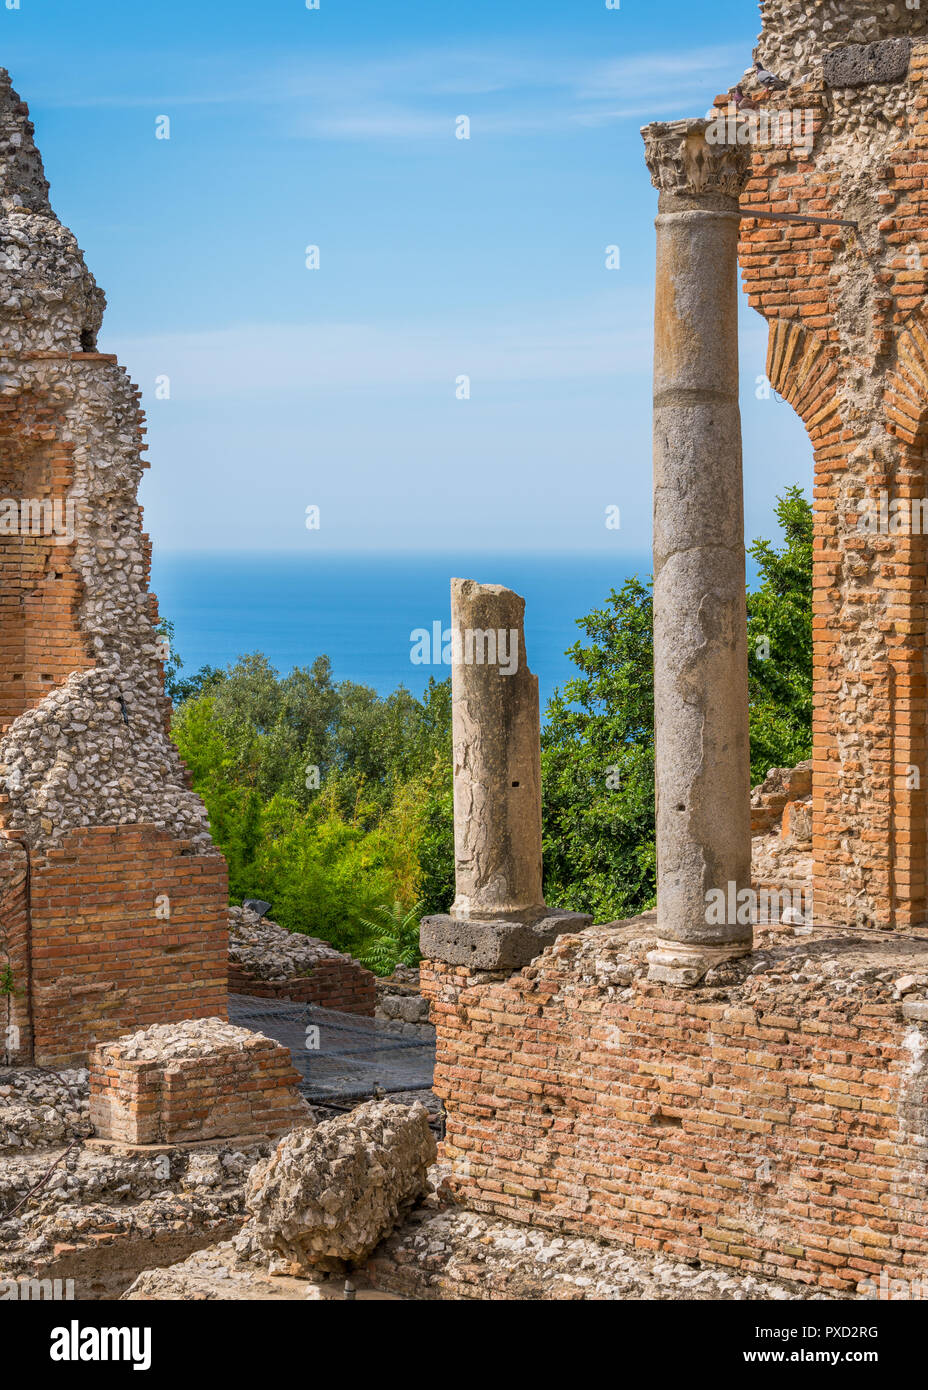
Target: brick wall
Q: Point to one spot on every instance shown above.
(341, 985)
(849, 352)
(103, 960)
(780, 1131)
(40, 642)
(247, 1088)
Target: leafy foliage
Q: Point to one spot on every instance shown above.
(394, 938)
(780, 642)
(598, 765)
(175, 687)
(598, 747)
(331, 801)
(326, 799)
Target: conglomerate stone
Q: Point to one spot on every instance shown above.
(329, 1194)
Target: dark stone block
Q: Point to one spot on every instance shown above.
(495, 945)
(859, 64)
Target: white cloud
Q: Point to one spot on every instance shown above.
(416, 93)
(584, 342)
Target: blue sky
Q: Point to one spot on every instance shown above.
(439, 257)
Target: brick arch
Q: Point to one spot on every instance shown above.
(905, 399)
(801, 370)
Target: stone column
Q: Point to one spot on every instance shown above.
(700, 637)
(498, 919)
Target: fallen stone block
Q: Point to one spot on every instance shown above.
(330, 1194)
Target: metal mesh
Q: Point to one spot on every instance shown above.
(340, 1056)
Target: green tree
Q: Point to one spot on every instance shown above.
(598, 765)
(176, 687)
(598, 746)
(780, 641)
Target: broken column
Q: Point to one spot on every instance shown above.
(498, 919)
(702, 768)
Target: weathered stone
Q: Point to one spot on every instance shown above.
(498, 920)
(497, 757)
(700, 649)
(331, 1193)
(494, 945)
(859, 64)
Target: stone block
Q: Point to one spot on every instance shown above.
(495, 945)
(859, 64)
(332, 1192)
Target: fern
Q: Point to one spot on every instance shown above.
(394, 939)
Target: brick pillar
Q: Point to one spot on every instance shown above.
(702, 761)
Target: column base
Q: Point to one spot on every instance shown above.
(494, 943)
(684, 965)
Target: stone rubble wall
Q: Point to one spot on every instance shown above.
(269, 962)
(39, 1108)
(401, 1006)
(460, 1254)
(100, 1217)
(795, 34)
(781, 844)
(770, 799)
(87, 767)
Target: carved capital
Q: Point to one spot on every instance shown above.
(684, 162)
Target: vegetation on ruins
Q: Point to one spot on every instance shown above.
(327, 799)
(598, 744)
(780, 642)
(335, 803)
(394, 938)
(597, 768)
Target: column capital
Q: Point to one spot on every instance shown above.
(695, 159)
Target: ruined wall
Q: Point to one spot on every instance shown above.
(15, 1016)
(269, 962)
(775, 1122)
(849, 351)
(83, 717)
(774, 1118)
(203, 1080)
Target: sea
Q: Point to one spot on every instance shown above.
(367, 612)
